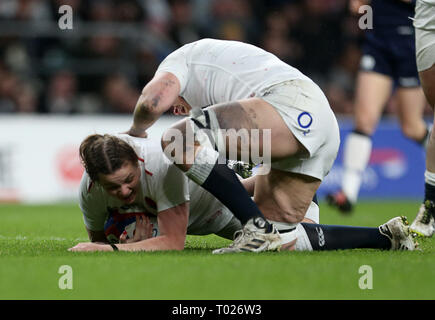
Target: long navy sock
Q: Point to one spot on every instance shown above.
(429, 194)
(225, 186)
(330, 237)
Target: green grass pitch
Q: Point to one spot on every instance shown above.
(34, 242)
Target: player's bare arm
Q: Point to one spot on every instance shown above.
(173, 227)
(157, 97)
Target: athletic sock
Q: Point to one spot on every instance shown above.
(223, 183)
(331, 237)
(429, 187)
(357, 150)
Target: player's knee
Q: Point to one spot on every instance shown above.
(292, 216)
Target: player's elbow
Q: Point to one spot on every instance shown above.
(148, 104)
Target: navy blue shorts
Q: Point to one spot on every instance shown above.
(391, 54)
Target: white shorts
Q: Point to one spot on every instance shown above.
(424, 23)
(306, 112)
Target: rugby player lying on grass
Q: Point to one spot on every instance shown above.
(127, 175)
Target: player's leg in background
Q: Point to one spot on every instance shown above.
(372, 92)
(411, 104)
(424, 222)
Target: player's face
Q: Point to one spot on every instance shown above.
(181, 107)
(124, 183)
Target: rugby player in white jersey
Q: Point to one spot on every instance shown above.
(424, 23)
(128, 176)
(246, 88)
(131, 175)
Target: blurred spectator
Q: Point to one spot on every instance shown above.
(61, 93)
(118, 95)
(16, 95)
(8, 83)
(278, 39)
(232, 20)
(320, 36)
(128, 11)
(341, 81)
(182, 28)
(108, 69)
(34, 10)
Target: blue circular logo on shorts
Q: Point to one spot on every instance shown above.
(305, 120)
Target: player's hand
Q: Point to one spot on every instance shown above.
(135, 132)
(90, 246)
(143, 231)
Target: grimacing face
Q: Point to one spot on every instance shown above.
(123, 184)
(180, 107)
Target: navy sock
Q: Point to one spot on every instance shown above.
(361, 133)
(330, 237)
(429, 192)
(225, 186)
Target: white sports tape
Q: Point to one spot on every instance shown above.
(429, 177)
(210, 126)
(205, 159)
(303, 243)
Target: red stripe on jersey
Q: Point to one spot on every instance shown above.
(90, 186)
(146, 171)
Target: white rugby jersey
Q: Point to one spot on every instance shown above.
(163, 186)
(215, 71)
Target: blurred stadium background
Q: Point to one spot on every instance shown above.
(57, 86)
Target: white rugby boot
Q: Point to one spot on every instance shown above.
(256, 236)
(424, 224)
(397, 230)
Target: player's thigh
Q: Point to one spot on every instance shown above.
(262, 123)
(410, 108)
(284, 196)
(427, 78)
(372, 93)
